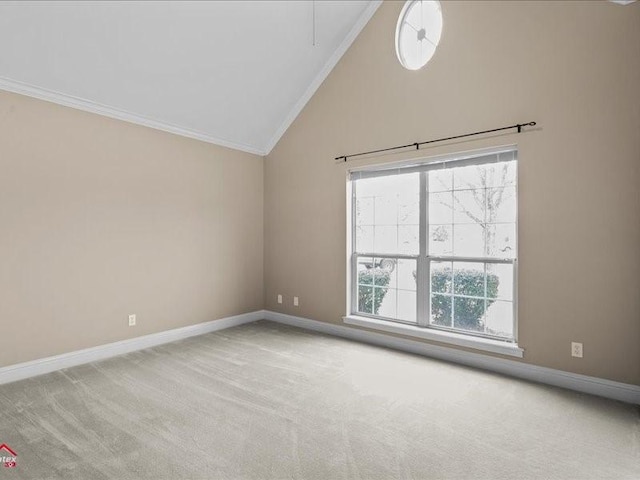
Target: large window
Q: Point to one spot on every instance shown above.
(434, 245)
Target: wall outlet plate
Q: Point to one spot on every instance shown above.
(576, 349)
(279, 298)
(132, 320)
(295, 301)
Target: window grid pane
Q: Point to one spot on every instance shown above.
(468, 296)
(386, 287)
(473, 213)
(386, 216)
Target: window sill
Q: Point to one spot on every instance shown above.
(460, 340)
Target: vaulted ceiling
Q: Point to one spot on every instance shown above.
(233, 73)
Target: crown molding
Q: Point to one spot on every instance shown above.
(324, 73)
(23, 88)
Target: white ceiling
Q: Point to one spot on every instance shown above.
(234, 73)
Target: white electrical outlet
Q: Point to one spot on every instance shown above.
(295, 301)
(279, 298)
(576, 349)
(132, 320)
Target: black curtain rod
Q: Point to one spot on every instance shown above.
(418, 144)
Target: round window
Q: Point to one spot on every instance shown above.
(418, 32)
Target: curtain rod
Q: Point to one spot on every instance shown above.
(417, 145)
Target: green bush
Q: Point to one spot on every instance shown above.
(468, 311)
(370, 298)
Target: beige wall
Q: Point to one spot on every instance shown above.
(100, 218)
(574, 67)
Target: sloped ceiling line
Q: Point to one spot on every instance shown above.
(260, 146)
(324, 73)
(107, 111)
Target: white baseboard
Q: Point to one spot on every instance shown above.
(582, 383)
(41, 366)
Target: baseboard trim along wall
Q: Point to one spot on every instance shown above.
(581, 383)
(41, 366)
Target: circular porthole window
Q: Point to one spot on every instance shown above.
(418, 32)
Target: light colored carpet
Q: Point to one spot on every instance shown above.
(267, 401)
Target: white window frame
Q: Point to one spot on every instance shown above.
(423, 328)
